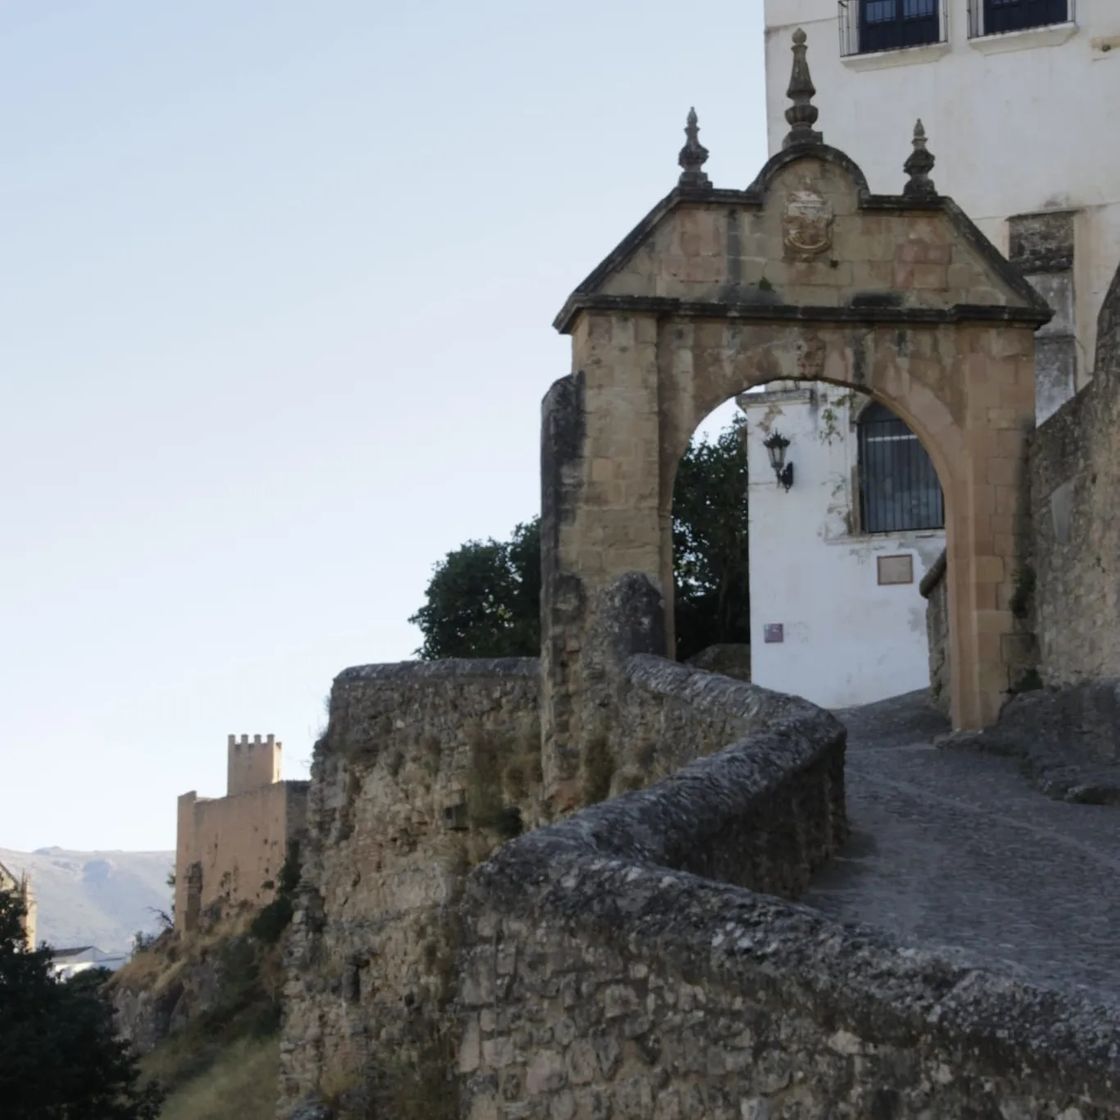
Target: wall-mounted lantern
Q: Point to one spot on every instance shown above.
(776, 445)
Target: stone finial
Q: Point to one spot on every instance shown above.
(918, 166)
(802, 114)
(693, 155)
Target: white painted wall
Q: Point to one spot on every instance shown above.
(848, 640)
(1019, 123)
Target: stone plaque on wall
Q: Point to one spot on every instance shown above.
(807, 224)
(896, 569)
(773, 632)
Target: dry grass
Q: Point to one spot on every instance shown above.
(240, 1085)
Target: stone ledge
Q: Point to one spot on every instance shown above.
(904, 56)
(716, 693)
(442, 670)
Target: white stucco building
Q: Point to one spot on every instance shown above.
(1015, 96)
(836, 615)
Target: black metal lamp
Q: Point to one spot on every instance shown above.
(776, 445)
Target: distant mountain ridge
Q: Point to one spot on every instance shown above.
(95, 898)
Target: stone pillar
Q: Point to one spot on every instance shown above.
(600, 522)
(1042, 248)
(986, 526)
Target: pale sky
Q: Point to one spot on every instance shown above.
(277, 289)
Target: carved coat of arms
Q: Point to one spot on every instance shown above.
(807, 225)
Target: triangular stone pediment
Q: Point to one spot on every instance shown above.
(809, 240)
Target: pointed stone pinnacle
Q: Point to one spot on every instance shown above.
(918, 166)
(693, 155)
(802, 114)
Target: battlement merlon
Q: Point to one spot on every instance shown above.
(252, 763)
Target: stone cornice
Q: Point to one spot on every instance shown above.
(758, 311)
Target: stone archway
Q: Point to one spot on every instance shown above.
(805, 275)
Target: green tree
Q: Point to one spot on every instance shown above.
(483, 599)
(59, 1059)
(710, 543)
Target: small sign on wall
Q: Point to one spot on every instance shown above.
(896, 569)
(773, 632)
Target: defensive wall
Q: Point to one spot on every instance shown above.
(423, 771)
(229, 850)
(645, 956)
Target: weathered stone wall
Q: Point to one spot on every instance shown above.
(669, 715)
(1041, 246)
(1075, 475)
(935, 589)
(423, 771)
(732, 659)
(616, 965)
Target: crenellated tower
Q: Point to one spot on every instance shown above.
(252, 763)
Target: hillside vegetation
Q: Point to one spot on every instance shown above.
(205, 1009)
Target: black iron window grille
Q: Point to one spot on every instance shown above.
(993, 17)
(898, 486)
(867, 26)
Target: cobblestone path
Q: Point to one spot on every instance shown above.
(955, 850)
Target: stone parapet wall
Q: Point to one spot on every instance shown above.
(618, 964)
(424, 769)
(671, 714)
(230, 850)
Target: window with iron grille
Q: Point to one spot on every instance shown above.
(992, 17)
(867, 26)
(898, 486)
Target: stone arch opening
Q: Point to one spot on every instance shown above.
(707, 609)
(805, 275)
(840, 617)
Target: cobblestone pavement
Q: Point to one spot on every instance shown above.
(954, 850)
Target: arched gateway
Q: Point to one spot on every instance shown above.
(804, 275)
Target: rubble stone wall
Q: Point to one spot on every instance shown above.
(620, 964)
(1075, 474)
(423, 771)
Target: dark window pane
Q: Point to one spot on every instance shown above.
(898, 485)
(878, 11)
(1015, 15)
(890, 24)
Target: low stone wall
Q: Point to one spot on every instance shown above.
(619, 964)
(671, 714)
(423, 771)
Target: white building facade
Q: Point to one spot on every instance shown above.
(1015, 96)
(836, 615)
